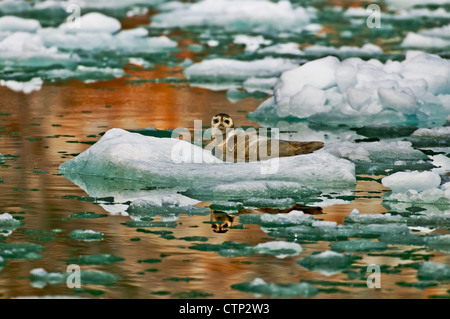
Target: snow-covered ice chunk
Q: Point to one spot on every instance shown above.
(260, 287)
(418, 181)
(431, 137)
(280, 249)
(433, 271)
(34, 84)
(235, 71)
(415, 40)
(94, 22)
(8, 224)
(353, 90)
(253, 189)
(345, 51)
(359, 245)
(380, 157)
(252, 43)
(148, 209)
(277, 220)
(327, 262)
(169, 162)
(17, 24)
(237, 15)
(87, 235)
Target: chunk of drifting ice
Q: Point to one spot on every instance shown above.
(256, 189)
(433, 271)
(8, 223)
(144, 208)
(135, 41)
(429, 137)
(86, 235)
(94, 22)
(431, 68)
(280, 249)
(318, 73)
(365, 91)
(344, 51)
(377, 157)
(17, 24)
(260, 287)
(252, 43)
(358, 245)
(244, 15)
(289, 48)
(34, 84)
(415, 40)
(418, 181)
(216, 70)
(174, 163)
(275, 220)
(327, 262)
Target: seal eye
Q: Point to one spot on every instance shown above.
(216, 121)
(227, 122)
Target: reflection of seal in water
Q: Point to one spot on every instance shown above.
(228, 141)
(222, 221)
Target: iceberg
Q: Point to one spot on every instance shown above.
(237, 15)
(331, 91)
(165, 162)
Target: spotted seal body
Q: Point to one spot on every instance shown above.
(234, 145)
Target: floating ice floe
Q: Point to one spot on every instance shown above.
(404, 4)
(380, 157)
(47, 54)
(34, 84)
(253, 189)
(8, 224)
(431, 137)
(400, 15)
(433, 271)
(355, 91)
(422, 41)
(260, 287)
(425, 219)
(328, 262)
(252, 43)
(39, 278)
(436, 38)
(417, 181)
(225, 73)
(17, 24)
(165, 162)
(279, 249)
(289, 48)
(238, 15)
(417, 187)
(86, 235)
(367, 50)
